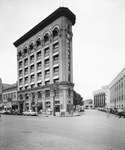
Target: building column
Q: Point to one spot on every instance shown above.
(63, 97)
(30, 100)
(36, 100)
(43, 101)
(52, 101)
(24, 106)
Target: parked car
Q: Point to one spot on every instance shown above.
(30, 113)
(16, 112)
(81, 110)
(120, 112)
(113, 111)
(6, 112)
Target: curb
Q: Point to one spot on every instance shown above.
(67, 115)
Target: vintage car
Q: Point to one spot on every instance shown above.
(120, 112)
(5, 112)
(29, 113)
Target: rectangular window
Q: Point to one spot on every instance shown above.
(39, 66)
(56, 92)
(122, 97)
(33, 85)
(32, 59)
(20, 64)
(39, 84)
(26, 61)
(47, 61)
(69, 78)
(26, 96)
(39, 94)
(39, 55)
(26, 71)
(32, 68)
(47, 82)
(46, 51)
(47, 93)
(47, 72)
(69, 66)
(56, 80)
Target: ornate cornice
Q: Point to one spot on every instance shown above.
(62, 11)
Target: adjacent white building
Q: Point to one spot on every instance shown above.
(101, 97)
(117, 91)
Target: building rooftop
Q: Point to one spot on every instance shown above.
(9, 86)
(62, 11)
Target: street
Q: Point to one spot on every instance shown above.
(93, 130)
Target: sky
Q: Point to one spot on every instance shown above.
(98, 38)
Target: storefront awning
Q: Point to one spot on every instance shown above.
(39, 104)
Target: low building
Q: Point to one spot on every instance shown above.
(117, 91)
(88, 103)
(2, 86)
(101, 97)
(9, 97)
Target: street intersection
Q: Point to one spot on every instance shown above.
(93, 130)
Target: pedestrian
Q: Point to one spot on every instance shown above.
(108, 113)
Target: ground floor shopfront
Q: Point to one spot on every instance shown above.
(11, 106)
(53, 98)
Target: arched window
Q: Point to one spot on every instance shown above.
(38, 42)
(46, 37)
(25, 50)
(20, 53)
(55, 32)
(31, 46)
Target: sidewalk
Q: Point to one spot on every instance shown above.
(57, 114)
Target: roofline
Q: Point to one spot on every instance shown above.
(12, 86)
(116, 78)
(61, 11)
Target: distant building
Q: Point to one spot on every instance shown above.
(45, 63)
(101, 97)
(9, 97)
(88, 103)
(117, 91)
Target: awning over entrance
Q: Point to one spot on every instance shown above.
(39, 104)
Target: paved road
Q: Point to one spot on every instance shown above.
(91, 131)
